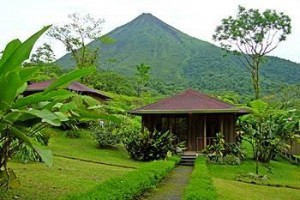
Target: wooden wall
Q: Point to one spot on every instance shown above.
(198, 126)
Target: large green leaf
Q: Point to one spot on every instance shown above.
(258, 106)
(21, 136)
(43, 151)
(87, 116)
(61, 116)
(90, 102)
(9, 49)
(40, 97)
(67, 78)
(12, 82)
(27, 73)
(46, 116)
(21, 53)
(66, 107)
(12, 117)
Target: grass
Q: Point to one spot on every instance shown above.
(67, 176)
(282, 173)
(232, 190)
(201, 185)
(86, 147)
(132, 184)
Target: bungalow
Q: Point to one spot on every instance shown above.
(193, 117)
(74, 86)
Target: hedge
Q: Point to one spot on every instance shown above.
(200, 185)
(132, 184)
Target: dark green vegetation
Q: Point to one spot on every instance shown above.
(178, 59)
(149, 145)
(201, 184)
(131, 185)
(224, 153)
(267, 129)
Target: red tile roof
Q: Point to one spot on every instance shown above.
(74, 86)
(189, 101)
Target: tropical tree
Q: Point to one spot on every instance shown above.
(76, 35)
(268, 130)
(141, 78)
(43, 55)
(21, 117)
(252, 35)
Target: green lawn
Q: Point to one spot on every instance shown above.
(233, 190)
(68, 175)
(85, 147)
(282, 173)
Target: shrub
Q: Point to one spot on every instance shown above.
(231, 160)
(224, 153)
(131, 185)
(26, 153)
(200, 186)
(150, 146)
(234, 149)
(107, 134)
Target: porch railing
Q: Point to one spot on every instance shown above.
(200, 142)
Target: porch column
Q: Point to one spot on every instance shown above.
(222, 124)
(232, 129)
(190, 147)
(204, 132)
(170, 119)
(143, 124)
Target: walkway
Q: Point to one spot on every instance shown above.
(171, 188)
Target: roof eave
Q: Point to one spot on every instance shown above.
(141, 112)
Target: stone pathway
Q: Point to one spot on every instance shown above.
(171, 188)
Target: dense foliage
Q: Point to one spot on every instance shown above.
(224, 153)
(132, 185)
(149, 145)
(201, 185)
(268, 130)
(106, 134)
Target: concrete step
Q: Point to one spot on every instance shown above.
(187, 160)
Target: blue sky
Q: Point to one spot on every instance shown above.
(198, 18)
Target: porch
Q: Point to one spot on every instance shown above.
(195, 130)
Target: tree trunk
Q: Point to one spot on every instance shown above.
(255, 76)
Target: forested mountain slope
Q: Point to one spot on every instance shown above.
(181, 59)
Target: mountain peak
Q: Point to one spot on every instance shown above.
(147, 18)
(146, 15)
